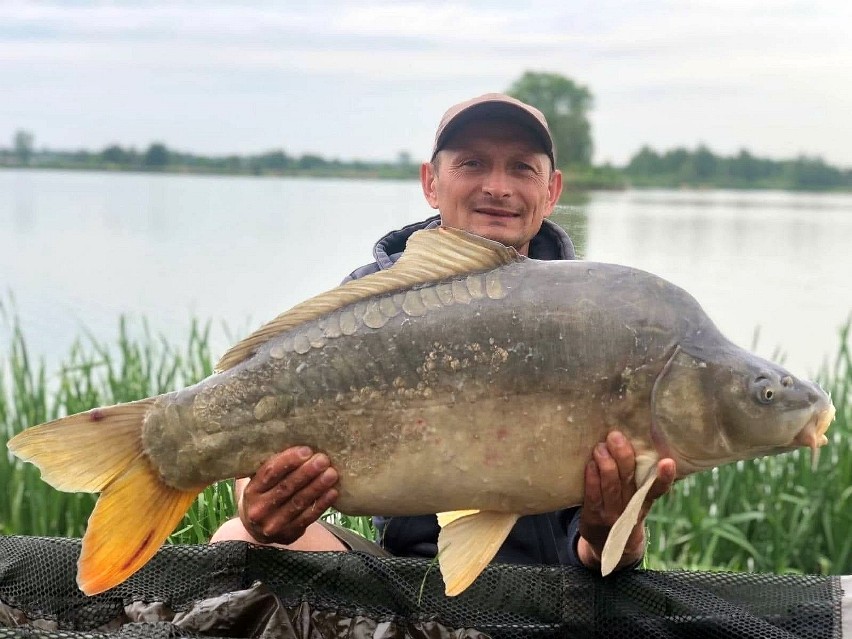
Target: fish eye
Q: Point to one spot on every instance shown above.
(765, 394)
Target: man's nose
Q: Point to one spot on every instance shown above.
(497, 184)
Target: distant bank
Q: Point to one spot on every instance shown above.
(677, 168)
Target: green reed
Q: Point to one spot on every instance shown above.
(770, 515)
(94, 374)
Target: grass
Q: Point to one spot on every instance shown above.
(94, 374)
(772, 515)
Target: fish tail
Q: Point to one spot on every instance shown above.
(101, 451)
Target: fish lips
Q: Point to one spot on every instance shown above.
(813, 434)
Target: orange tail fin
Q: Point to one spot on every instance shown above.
(101, 450)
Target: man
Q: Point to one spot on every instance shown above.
(493, 173)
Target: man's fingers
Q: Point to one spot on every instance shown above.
(289, 491)
(593, 499)
(610, 481)
(279, 466)
(625, 460)
(287, 527)
(270, 517)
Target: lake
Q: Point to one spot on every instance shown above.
(77, 250)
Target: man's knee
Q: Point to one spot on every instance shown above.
(315, 538)
(232, 530)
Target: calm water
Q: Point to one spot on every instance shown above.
(79, 249)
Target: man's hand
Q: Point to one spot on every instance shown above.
(610, 483)
(288, 492)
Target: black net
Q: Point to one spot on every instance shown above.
(236, 590)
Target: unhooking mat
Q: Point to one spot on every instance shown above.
(237, 590)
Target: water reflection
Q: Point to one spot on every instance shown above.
(575, 221)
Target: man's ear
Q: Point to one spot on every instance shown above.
(428, 178)
(554, 190)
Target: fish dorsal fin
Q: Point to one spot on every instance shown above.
(430, 256)
(646, 466)
(468, 542)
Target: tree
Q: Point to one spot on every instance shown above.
(156, 157)
(114, 154)
(310, 161)
(705, 163)
(645, 162)
(23, 144)
(565, 105)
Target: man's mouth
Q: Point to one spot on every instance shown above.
(495, 212)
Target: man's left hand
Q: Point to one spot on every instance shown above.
(610, 483)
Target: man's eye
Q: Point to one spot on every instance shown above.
(523, 166)
(473, 163)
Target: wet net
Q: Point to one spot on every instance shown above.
(236, 590)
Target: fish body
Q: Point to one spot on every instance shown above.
(464, 380)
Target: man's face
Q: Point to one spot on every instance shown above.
(493, 179)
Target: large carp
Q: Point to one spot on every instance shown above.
(466, 378)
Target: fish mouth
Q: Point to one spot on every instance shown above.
(813, 434)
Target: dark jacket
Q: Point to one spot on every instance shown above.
(551, 243)
(549, 538)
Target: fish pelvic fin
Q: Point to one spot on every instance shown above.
(468, 542)
(430, 255)
(620, 531)
(101, 451)
(445, 519)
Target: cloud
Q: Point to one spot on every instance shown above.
(178, 70)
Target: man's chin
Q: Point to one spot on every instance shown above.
(504, 236)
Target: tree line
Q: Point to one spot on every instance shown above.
(565, 103)
(702, 167)
(158, 157)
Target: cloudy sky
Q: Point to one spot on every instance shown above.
(369, 79)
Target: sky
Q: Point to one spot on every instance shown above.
(370, 79)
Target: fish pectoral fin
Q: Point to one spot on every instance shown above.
(132, 518)
(620, 531)
(468, 543)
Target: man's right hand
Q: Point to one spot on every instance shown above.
(287, 493)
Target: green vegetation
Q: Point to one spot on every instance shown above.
(92, 375)
(702, 168)
(771, 515)
(159, 158)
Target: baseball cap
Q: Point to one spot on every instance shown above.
(490, 105)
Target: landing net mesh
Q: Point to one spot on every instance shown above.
(236, 590)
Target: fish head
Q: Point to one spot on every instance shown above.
(712, 407)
